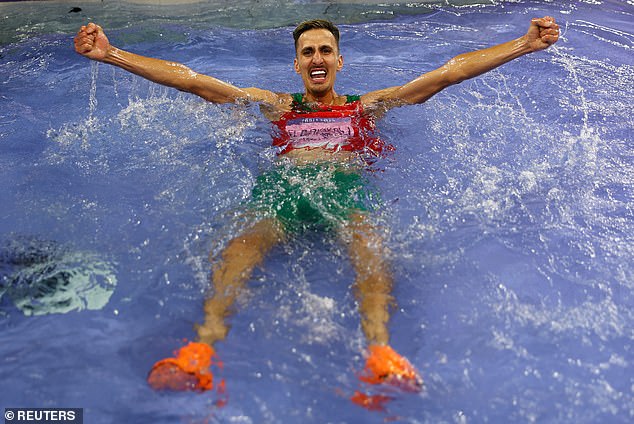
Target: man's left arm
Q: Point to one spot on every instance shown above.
(542, 33)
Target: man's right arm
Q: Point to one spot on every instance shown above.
(92, 43)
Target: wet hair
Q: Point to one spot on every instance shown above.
(316, 24)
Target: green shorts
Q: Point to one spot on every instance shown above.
(311, 196)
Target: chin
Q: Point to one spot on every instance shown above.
(320, 89)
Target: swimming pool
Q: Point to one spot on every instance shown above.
(509, 199)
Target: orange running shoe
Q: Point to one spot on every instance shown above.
(188, 371)
(371, 402)
(384, 365)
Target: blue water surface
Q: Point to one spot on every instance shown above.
(508, 211)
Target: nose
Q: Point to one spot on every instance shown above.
(317, 58)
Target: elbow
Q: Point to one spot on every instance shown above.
(213, 90)
(452, 73)
(180, 77)
(456, 79)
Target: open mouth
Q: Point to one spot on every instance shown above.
(318, 75)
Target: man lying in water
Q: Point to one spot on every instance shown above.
(321, 136)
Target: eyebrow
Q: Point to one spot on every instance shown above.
(321, 48)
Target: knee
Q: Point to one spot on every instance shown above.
(242, 249)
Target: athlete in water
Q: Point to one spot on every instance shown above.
(320, 135)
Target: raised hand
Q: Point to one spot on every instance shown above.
(542, 33)
(91, 42)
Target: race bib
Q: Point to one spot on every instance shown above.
(329, 133)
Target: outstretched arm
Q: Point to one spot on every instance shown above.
(542, 33)
(92, 43)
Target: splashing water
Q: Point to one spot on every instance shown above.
(507, 208)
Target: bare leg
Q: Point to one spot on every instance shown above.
(231, 273)
(189, 369)
(373, 282)
(373, 286)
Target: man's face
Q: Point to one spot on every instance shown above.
(317, 61)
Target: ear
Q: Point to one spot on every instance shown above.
(340, 63)
(296, 65)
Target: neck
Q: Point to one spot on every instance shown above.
(328, 98)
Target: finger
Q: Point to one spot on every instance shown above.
(83, 44)
(550, 32)
(550, 38)
(546, 21)
(83, 37)
(94, 28)
(86, 47)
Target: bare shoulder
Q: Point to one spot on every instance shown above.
(267, 97)
(380, 101)
(272, 104)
